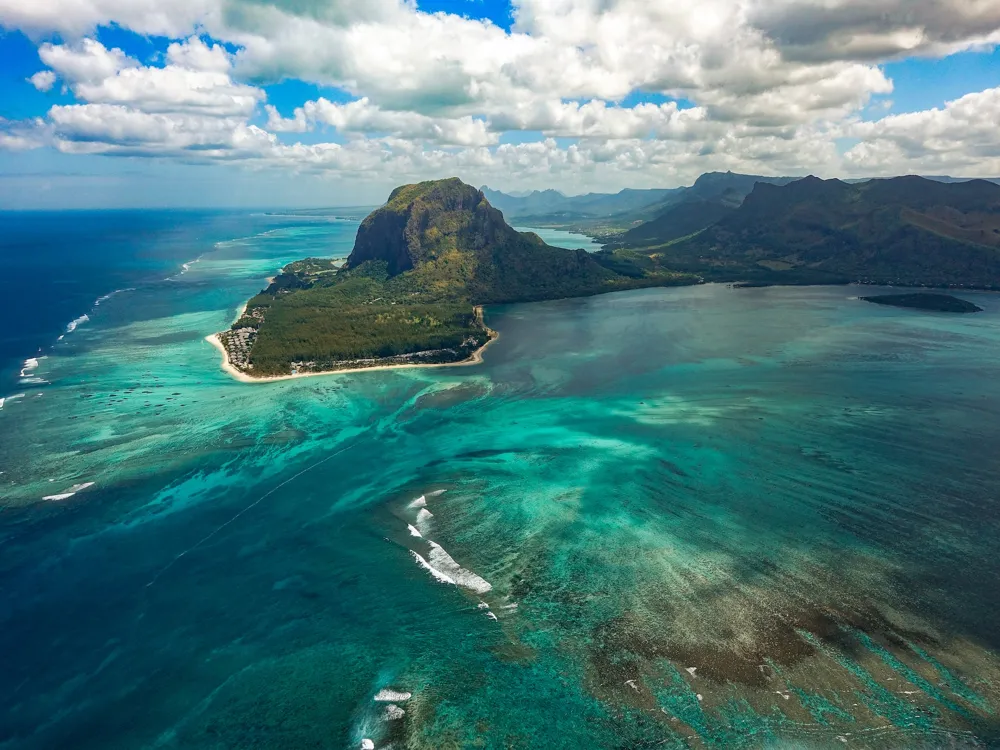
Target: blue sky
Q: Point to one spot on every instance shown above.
(316, 102)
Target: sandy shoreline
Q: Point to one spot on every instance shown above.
(227, 366)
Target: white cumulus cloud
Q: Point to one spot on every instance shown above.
(622, 92)
(43, 80)
(362, 116)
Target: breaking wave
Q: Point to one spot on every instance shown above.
(109, 295)
(74, 324)
(7, 399)
(185, 267)
(432, 570)
(392, 696)
(29, 364)
(443, 562)
(65, 495)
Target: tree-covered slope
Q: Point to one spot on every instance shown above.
(677, 221)
(906, 230)
(713, 196)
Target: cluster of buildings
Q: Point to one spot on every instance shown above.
(238, 343)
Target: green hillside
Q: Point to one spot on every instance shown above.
(713, 196)
(903, 231)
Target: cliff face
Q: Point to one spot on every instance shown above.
(383, 236)
(446, 236)
(421, 223)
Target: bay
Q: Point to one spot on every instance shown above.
(562, 238)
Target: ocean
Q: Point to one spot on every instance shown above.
(691, 517)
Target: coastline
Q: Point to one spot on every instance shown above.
(228, 368)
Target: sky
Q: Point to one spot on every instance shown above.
(267, 103)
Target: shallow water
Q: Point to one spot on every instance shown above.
(562, 238)
(687, 518)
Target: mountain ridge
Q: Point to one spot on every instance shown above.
(903, 230)
(713, 196)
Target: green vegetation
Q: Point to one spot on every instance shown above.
(361, 316)
(713, 196)
(906, 231)
(407, 294)
(924, 301)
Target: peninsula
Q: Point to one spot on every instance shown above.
(411, 294)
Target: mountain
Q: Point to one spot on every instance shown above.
(679, 220)
(551, 205)
(450, 239)
(904, 231)
(713, 196)
(945, 178)
(729, 187)
(410, 291)
(536, 201)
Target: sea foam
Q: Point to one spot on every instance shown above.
(7, 399)
(394, 712)
(185, 267)
(443, 562)
(70, 492)
(423, 519)
(109, 295)
(420, 502)
(27, 368)
(74, 324)
(392, 696)
(432, 570)
(413, 529)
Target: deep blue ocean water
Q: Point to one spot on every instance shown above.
(55, 265)
(695, 517)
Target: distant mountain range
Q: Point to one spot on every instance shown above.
(550, 205)
(642, 218)
(713, 196)
(904, 231)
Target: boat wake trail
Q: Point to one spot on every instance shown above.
(250, 507)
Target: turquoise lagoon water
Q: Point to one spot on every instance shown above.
(697, 517)
(562, 238)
